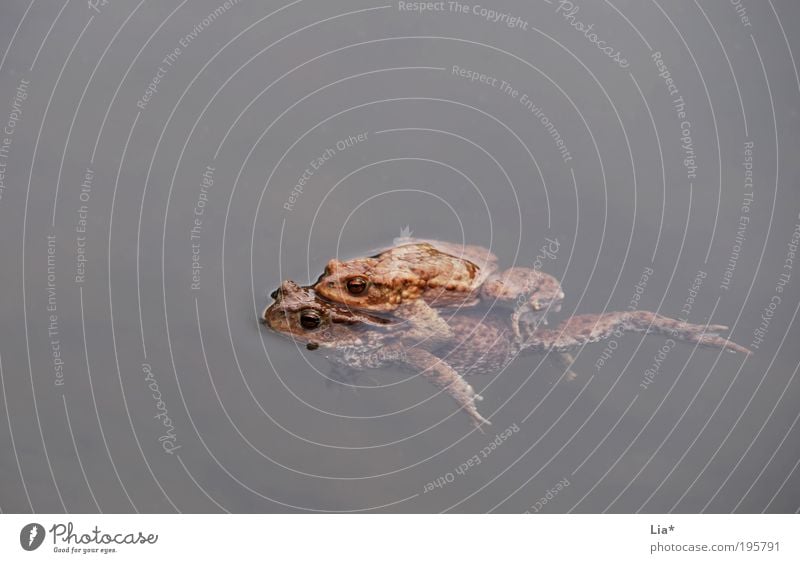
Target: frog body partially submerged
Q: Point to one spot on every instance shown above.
(352, 339)
(410, 280)
(482, 344)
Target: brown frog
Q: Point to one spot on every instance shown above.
(409, 280)
(482, 345)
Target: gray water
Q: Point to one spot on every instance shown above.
(136, 377)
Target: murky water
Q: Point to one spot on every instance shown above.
(165, 165)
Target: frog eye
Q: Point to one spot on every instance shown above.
(274, 294)
(356, 286)
(310, 319)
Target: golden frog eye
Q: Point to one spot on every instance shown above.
(356, 286)
(310, 319)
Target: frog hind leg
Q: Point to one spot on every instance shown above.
(443, 376)
(342, 375)
(530, 290)
(582, 329)
(424, 323)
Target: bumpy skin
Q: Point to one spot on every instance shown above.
(542, 290)
(337, 324)
(358, 341)
(410, 279)
(583, 329)
(482, 345)
(408, 272)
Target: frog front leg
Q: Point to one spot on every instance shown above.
(424, 323)
(528, 290)
(441, 374)
(564, 360)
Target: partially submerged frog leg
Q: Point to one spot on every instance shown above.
(582, 329)
(533, 291)
(342, 375)
(438, 372)
(425, 323)
(565, 360)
